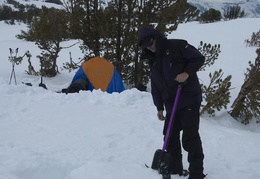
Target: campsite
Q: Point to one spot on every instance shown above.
(98, 135)
(97, 73)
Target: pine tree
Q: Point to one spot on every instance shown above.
(247, 104)
(169, 14)
(212, 15)
(216, 94)
(6, 12)
(254, 41)
(233, 12)
(48, 31)
(20, 12)
(87, 22)
(127, 17)
(111, 31)
(210, 53)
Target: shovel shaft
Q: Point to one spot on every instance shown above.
(171, 119)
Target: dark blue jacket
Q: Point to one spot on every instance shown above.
(171, 58)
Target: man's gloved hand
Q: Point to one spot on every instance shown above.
(160, 115)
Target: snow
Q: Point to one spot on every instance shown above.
(95, 135)
(250, 7)
(231, 36)
(37, 3)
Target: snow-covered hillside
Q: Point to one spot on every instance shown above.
(251, 7)
(95, 135)
(37, 3)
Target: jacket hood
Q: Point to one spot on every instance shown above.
(146, 31)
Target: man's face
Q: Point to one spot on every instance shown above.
(152, 47)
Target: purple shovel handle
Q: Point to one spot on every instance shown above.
(171, 118)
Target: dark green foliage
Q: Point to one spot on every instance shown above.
(111, 31)
(183, 11)
(177, 12)
(247, 104)
(212, 15)
(86, 22)
(6, 13)
(167, 14)
(47, 64)
(210, 53)
(121, 43)
(254, 41)
(216, 94)
(233, 12)
(20, 12)
(14, 3)
(48, 31)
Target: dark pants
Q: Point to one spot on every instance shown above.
(187, 120)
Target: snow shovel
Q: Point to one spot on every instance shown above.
(162, 159)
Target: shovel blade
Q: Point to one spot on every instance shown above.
(161, 162)
(156, 159)
(160, 158)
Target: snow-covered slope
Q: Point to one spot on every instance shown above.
(95, 135)
(37, 3)
(251, 7)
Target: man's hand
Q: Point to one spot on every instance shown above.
(182, 77)
(160, 115)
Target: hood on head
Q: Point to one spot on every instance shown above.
(146, 31)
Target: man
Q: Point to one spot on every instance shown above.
(172, 62)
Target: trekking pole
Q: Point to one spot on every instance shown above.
(16, 52)
(172, 117)
(13, 73)
(12, 59)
